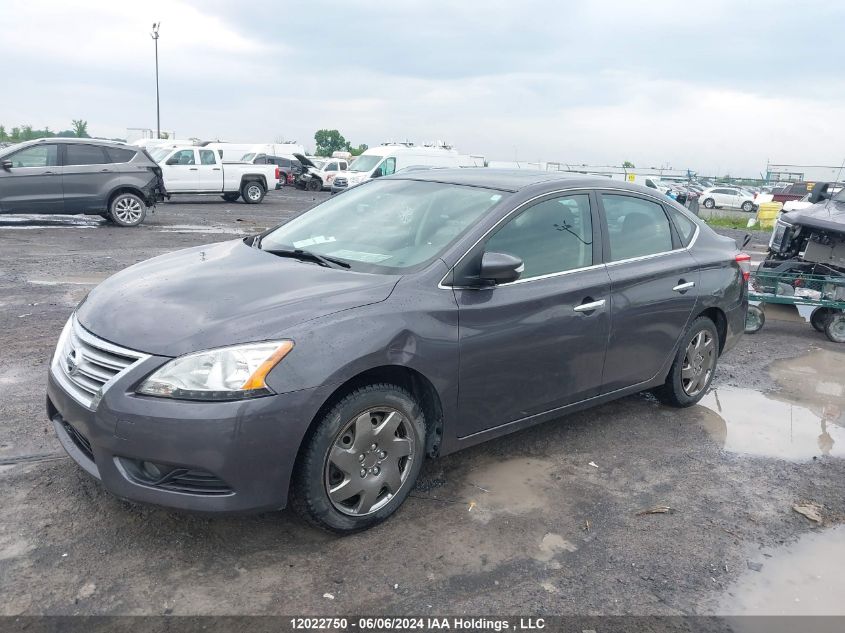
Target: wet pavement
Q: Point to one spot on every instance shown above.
(630, 508)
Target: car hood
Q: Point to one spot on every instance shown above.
(306, 162)
(220, 294)
(828, 215)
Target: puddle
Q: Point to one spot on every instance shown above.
(74, 280)
(551, 546)
(50, 221)
(752, 423)
(817, 377)
(512, 486)
(804, 578)
(196, 228)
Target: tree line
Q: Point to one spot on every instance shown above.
(79, 129)
(329, 141)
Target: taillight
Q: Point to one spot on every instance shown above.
(277, 172)
(744, 261)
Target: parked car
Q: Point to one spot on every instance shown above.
(412, 316)
(389, 158)
(290, 168)
(732, 197)
(199, 170)
(72, 175)
(318, 173)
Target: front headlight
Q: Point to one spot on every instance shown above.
(227, 373)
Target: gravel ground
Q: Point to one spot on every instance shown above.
(551, 520)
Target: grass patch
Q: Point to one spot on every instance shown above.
(727, 222)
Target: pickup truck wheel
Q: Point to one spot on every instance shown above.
(253, 192)
(231, 197)
(127, 209)
(315, 184)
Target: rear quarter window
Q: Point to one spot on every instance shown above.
(685, 226)
(120, 154)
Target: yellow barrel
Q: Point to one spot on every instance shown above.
(768, 213)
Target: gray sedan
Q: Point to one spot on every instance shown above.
(413, 316)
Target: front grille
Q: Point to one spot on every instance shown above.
(340, 182)
(85, 365)
(80, 440)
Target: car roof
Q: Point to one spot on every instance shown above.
(74, 139)
(514, 180)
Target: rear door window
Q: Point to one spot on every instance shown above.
(635, 227)
(207, 157)
(85, 155)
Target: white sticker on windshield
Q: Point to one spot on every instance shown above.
(320, 239)
(359, 256)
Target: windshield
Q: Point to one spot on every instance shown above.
(840, 197)
(159, 154)
(365, 163)
(386, 226)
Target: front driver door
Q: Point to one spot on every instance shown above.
(33, 184)
(181, 172)
(530, 346)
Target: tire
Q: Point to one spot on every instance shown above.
(835, 328)
(315, 184)
(253, 192)
(755, 318)
(709, 203)
(819, 317)
(748, 206)
(694, 366)
(127, 209)
(231, 197)
(367, 484)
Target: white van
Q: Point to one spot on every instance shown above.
(389, 158)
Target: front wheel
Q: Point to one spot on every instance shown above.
(127, 209)
(315, 184)
(709, 203)
(361, 461)
(253, 192)
(747, 206)
(694, 366)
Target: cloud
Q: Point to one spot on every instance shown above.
(717, 88)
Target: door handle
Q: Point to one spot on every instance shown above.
(193, 169)
(589, 307)
(215, 169)
(683, 286)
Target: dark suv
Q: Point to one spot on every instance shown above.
(290, 167)
(72, 175)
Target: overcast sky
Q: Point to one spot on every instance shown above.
(713, 86)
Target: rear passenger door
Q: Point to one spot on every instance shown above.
(654, 288)
(210, 173)
(87, 177)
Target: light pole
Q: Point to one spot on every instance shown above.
(154, 35)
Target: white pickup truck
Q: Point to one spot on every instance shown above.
(201, 170)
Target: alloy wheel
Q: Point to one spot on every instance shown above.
(369, 461)
(128, 210)
(699, 363)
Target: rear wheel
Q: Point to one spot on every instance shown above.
(127, 209)
(253, 192)
(694, 366)
(361, 461)
(819, 317)
(748, 206)
(231, 197)
(755, 318)
(709, 203)
(835, 328)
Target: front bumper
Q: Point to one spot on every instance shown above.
(246, 449)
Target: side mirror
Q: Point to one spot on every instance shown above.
(172, 161)
(820, 192)
(7, 165)
(500, 268)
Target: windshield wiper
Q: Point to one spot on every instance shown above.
(298, 253)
